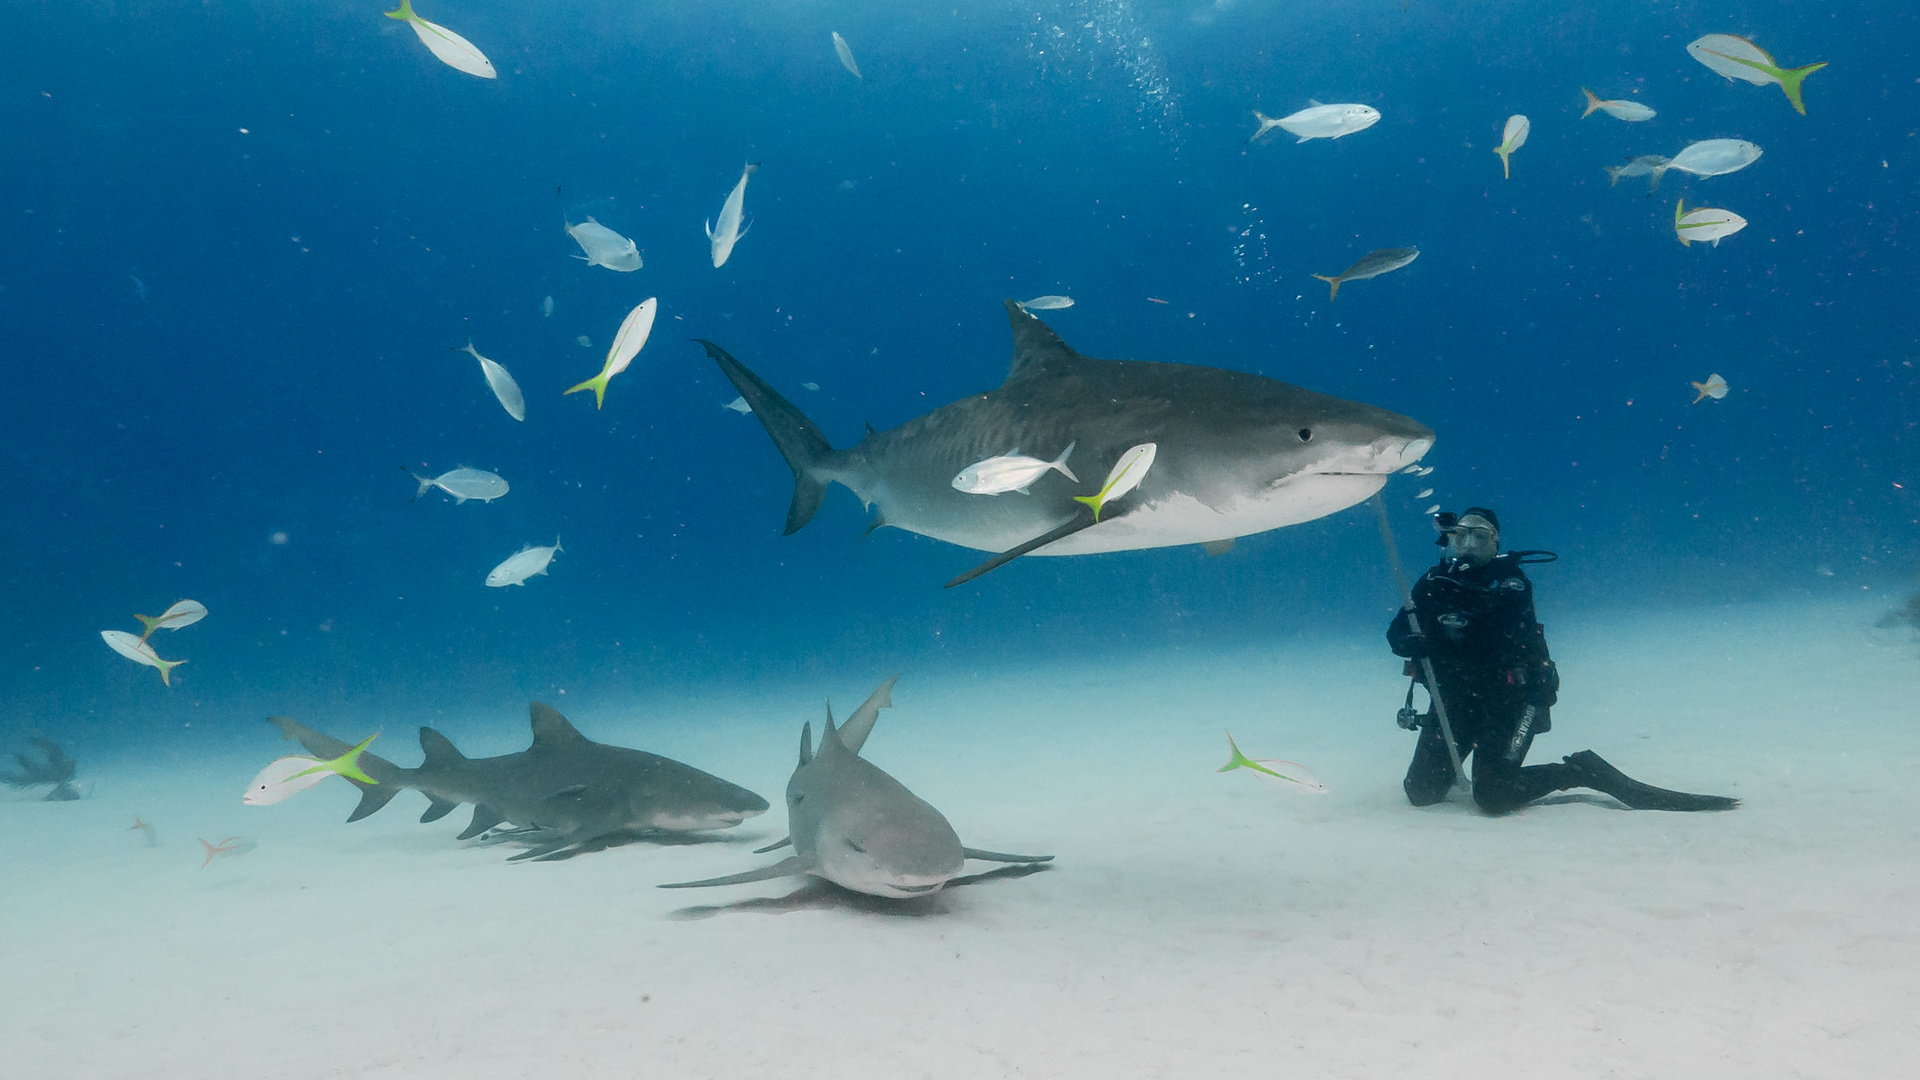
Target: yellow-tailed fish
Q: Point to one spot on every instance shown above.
(452, 50)
(626, 345)
(1707, 223)
(1737, 58)
(138, 651)
(1715, 387)
(1512, 138)
(1288, 774)
(184, 613)
(288, 776)
(1125, 475)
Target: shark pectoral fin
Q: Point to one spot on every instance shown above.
(996, 856)
(438, 809)
(790, 866)
(1034, 544)
(773, 846)
(1217, 548)
(484, 818)
(571, 792)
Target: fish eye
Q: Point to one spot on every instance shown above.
(1306, 434)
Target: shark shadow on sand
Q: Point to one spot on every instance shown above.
(822, 895)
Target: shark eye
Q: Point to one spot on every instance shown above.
(1306, 434)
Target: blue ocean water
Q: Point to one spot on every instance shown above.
(244, 241)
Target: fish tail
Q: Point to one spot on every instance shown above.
(1613, 174)
(1593, 102)
(152, 623)
(805, 449)
(385, 778)
(1790, 80)
(1095, 502)
(348, 764)
(1238, 760)
(1333, 281)
(598, 384)
(404, 13)
(1061, 462)
(426, 484)
(166, 669)
(1506, 161)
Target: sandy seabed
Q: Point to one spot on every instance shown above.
(1194, 924)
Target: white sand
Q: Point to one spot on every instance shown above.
(1193, 924)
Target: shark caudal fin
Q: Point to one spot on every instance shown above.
(384, 778)
(1790, 80)
(801, 443)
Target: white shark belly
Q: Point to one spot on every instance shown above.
(1182, 519)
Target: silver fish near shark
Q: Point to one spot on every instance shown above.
(564, 791)
(854, 825)
(1237, 453)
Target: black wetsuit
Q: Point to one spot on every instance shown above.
(1490, 657)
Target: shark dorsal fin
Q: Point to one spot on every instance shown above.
(806, 743)
(439, 749)
(858, 726)
(552, 730)
(1035, 346)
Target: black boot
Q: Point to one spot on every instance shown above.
(1592, 771)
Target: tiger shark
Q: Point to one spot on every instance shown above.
(1238, 454)
(854, 825)
(565, 790)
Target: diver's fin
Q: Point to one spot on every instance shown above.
(775, 846)
(796, 437)
(787, 867)
(995, 856)
(484, 818)
(1592, 771)
(1038, 542)
(437, 808)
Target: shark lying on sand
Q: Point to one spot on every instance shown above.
(565, 789)
(857, 827)
(1238, 453)
(57, 769)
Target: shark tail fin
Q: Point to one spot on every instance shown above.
(798, 440)
(1790, 80)
(1333, 281)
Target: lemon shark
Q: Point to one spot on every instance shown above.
(1238, 453)
(854, 825)
(563, 791)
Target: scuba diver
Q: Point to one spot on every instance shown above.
(1470, 627)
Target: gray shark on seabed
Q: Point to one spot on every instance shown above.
(1237, 454)
(854, 825)
(564, 792)
(56, 769)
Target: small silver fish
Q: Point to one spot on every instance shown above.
(1010, 472)
(523, 564)
(462, 484)
(1048, 303)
